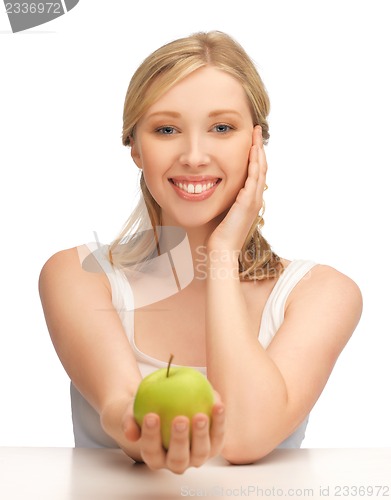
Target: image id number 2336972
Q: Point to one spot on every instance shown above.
(33, 8)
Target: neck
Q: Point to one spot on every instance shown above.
(197, 239)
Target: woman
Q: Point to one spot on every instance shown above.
(266, 331)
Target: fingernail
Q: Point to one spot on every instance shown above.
(201, 424)
(180, 426)
(150, 422)
(220, 410)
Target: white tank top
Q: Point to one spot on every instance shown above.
(86, 423)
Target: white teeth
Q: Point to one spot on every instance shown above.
(195, 188)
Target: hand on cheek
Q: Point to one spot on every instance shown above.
(232, 231)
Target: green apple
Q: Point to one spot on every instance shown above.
(170, 392)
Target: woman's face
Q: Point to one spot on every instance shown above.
(193, 146)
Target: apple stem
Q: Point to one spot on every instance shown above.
(169, 364)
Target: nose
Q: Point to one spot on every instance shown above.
(194, 151)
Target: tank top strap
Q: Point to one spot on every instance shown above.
(274, 310)
(121, 292)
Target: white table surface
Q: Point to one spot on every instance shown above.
(91, 474)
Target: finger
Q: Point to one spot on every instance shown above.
(217, 397)
(251, 186)
(261, 184)
(151, 447)
(217, 429)
(258, 164)
(254, 163)
(130, 428)
(257, 136)
(178, 455)
(256, 157)
(262, 159)
(200, 442)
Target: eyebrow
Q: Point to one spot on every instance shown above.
(219, 112)
(212, 114)
(174, 114)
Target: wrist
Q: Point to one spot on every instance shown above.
(223, 264)
(112, 415)
(115, 416)
(113, 419)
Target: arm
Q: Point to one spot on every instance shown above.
(88, 336)
(268, 393)
(91, 343)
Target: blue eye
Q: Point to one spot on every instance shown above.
(222, 128)
(166, 130)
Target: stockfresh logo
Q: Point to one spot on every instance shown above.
(26, 15)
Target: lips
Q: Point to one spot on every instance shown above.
(195, 188)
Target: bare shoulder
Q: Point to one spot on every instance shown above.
(327, 291)
(58, 264)
(61, 259)
(325, 280)
(66, 266)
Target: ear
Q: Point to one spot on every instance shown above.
(134, 151)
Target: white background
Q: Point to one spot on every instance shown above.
(65, 174)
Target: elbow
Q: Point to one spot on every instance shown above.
(244, 448)
(237, 453)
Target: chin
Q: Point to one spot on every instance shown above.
(192, 224)
(198, 221)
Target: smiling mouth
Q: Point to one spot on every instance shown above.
(195, 187)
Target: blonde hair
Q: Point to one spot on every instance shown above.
(155, 76)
